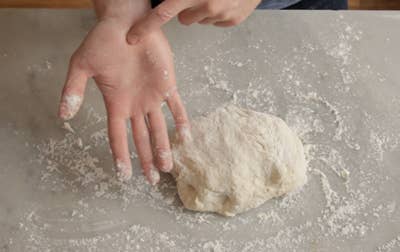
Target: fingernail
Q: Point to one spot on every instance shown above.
(184, 134)
(69, 106)
(133, 39)
(166, 157)
(153, 175)
(124, 172)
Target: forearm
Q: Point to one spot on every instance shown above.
(126, 11)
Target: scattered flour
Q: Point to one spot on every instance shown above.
(392, 245)
(40, 68)
(80, 164)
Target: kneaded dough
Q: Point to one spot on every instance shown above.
(236, 160)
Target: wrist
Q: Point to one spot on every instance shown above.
(124, 11)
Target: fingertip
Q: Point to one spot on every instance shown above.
(69, 106)
(166, 167)
(153, 176)
(123, 169)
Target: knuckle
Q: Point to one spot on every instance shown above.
(163, 153)
(223, 16)
(184, 132)
(164, 159)
(147, 162)
(165, 166)
(212, 9)
(183, 19)
(235, 3)
(76, 61)
(235, 21)
(161, 164)
(75, 58)
(170, 93)
(181, 121)
(144, 135)
(163, 14)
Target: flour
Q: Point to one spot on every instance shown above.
(70, 105)
(67, 126)
(391, 245)
(344, 200)
(165, 75)
(270, 216)
(335, 162)
(40, 68)
(338, 121)
(99, 137)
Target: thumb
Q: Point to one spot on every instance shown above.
(157, 18)
(73, 91)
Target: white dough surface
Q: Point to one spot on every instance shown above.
(236, 160)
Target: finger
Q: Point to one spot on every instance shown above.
(73, 91)
(157, 18)
(223, 16)
(192, 15)
(119, 146)
(180, 117)
(143, 147)
(159, 135)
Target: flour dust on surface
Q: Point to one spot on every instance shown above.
(346, 150)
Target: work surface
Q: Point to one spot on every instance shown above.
(332, 76)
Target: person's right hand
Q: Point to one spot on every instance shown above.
(221, 13)
(135, 81)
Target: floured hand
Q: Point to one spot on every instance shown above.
(135, 81)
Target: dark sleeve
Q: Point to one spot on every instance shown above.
(154, 3)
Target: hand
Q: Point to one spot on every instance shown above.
(134, 81)
(218, 12)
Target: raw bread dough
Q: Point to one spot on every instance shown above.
(236, 160)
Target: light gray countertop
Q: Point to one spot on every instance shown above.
(332, 76)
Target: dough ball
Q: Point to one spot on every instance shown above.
(236, 160)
